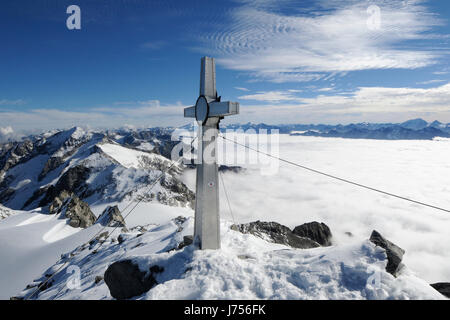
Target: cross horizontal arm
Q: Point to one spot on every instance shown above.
(189, 112)
(226, 108)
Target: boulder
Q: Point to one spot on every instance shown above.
(125, 280)
(443, 288)
(111, 217)
(394, 253)
(187, 241)
(69, 206)
(276, 233)
(318, 232)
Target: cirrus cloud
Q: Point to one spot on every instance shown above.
(331, 37)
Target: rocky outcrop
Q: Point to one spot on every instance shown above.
(443, 288)
(394, 253)
(73, 179)
(319, 232)
(50, 165)
(111, 217)
(5, 212)
(69, 206)
(125, 280)
(277, 233)
(181, 192)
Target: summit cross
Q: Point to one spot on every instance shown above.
(208, 111)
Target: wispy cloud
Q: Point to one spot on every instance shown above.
(6, 102)
(150, 113)
(331, 37)
(432, 81)
(376, 104)
(241, 89)
(363, 104)
(271, 96)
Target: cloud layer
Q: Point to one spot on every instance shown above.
(415, 169)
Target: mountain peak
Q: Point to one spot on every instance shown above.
(415, 124)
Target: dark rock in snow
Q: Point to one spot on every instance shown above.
(121, 238)
(71, 207)
(276, 233)
(235, 169)
(98, 279)
(111, 217)
(125, 280)
(179, 221)
(394, 253)
(318, 232)
(51, 164)
(73, 179)
(187, 240)
(443, 288)
(348, 233)
(101, 237)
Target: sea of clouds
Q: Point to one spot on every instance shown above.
(292, 196)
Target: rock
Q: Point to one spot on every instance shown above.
(125, 280)
(276, 233)
(5, 212)
(111, 217)
(98, 279)
(101, 237)
(348, 233)
(187, 240)
(179, 221)
(318, 232)
(121, 238)
(443, 288)
(71, 207)
(235, 169)
(394, 253)
(52, 164)
(73, 179)
(56, 206)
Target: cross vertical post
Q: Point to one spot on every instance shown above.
(208, 111)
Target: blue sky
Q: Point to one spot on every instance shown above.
(136, 62)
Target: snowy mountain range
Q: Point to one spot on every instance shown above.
(98, 167)
(59, 189)
(416, 129)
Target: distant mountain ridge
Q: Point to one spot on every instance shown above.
(415, 129)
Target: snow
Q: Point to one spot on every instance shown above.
(29, 243)
(128, 158)
(246, 267)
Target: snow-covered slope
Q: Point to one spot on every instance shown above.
(32, 241)
(245, 268)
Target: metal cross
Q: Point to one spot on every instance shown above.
(208, 111)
